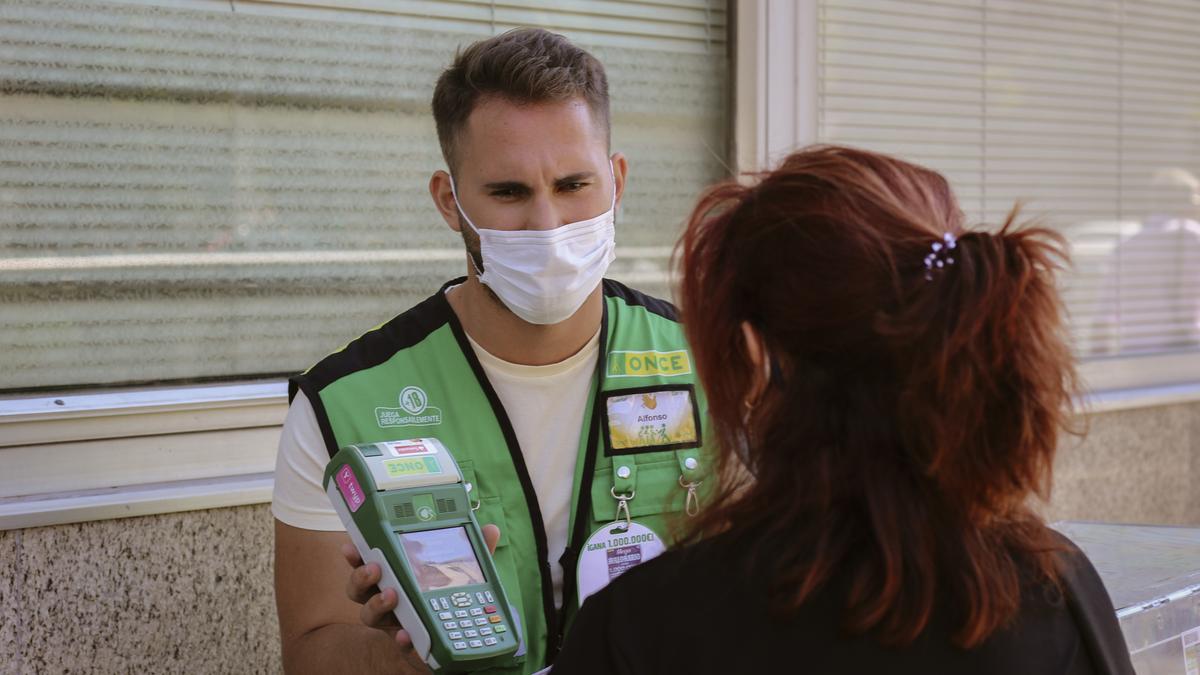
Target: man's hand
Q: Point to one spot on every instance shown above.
(376, 607)
(318, 627)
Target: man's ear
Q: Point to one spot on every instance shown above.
(443, 198)
(620, 167)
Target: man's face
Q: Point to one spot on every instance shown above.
(532, 167)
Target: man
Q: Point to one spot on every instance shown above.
(569, 401)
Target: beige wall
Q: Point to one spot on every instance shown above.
(191, 592)
(1133, 466)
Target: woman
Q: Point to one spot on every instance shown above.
(887, 388)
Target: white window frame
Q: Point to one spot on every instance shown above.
(113, 454)
(109, 454)
(776, 112)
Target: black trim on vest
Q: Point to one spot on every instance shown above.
(518, 460)
(616, 289)
(369, 350)
(577, 537)
(322, 415)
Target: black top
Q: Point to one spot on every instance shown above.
(690, 611)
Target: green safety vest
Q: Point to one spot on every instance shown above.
(417, 376)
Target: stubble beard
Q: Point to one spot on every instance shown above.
(475, 251)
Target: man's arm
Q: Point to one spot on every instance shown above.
(322, 629)
(331, 615)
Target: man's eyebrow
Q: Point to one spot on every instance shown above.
(518, 186)
(575, 177)
(512, 185)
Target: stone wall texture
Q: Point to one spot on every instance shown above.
(177, 593)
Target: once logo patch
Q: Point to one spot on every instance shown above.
(414, 411)
(649, 364)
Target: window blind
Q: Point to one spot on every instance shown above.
(205, 189)
(1088, 111)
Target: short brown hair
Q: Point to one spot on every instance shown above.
(523, 65)
(911, 411)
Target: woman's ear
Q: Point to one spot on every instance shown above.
(757, 354)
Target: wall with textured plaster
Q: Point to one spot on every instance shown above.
(1136, 466)
(176, 593)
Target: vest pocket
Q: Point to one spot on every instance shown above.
(659, 498)
(491, 511)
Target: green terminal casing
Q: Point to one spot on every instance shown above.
(405, 506)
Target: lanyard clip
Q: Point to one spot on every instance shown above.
(624, 488)
(692, 503)
(623, 505)
(689, 478)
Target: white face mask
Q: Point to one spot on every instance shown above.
(544, 276)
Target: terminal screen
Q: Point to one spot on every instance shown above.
(442, 558)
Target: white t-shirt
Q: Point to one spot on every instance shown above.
(545, 405)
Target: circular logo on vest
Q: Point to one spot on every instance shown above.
(413, 400)
(414, 411)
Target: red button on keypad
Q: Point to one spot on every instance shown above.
(490, 609)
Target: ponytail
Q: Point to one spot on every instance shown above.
(997, 372)
(989, 390)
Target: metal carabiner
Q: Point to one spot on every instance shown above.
(623, 505)
(692, 503)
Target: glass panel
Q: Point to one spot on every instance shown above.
(1084, 112)
(191, 193)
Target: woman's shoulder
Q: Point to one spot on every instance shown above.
(1080, 581)
(1091, 608)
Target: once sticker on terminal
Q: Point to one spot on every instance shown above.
(656, 418)
(413, 466)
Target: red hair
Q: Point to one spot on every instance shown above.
(909, 419)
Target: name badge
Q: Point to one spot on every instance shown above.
(649, 419)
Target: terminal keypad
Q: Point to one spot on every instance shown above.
(468, 617)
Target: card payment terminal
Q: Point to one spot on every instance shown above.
(406, 508)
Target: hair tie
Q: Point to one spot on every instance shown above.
(940, 255)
